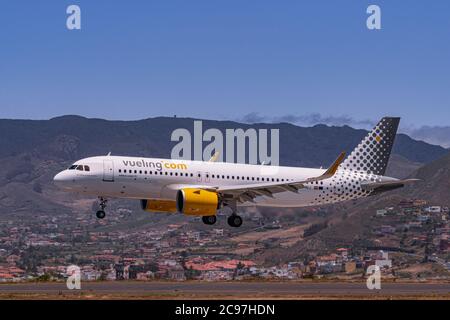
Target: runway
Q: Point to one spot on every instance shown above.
(219, 290)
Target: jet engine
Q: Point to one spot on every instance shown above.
(151, 205)
(199, 202)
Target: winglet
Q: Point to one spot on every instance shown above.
(333, 168)
(214, 157)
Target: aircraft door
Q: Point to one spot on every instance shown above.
(108, 170)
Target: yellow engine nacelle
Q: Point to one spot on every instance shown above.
(197, 202)
(168, 206)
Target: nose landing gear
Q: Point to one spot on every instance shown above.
(101, 213)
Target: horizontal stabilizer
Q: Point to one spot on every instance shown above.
(385, 185)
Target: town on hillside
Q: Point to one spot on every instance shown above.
(407, 241)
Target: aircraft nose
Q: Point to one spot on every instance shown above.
(61, 179)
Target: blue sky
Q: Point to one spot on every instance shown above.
(226, 59)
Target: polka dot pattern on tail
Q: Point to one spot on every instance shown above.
(372, 154)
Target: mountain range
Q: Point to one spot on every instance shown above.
(432, 134)
(33, 151)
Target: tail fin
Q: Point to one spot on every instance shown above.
(372, 154)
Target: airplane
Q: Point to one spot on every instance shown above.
(202, 188)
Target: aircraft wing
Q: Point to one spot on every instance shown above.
(244, 193)
(385, 185)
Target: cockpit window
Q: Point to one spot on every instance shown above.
(79, 167)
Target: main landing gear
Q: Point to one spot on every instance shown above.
(101, 213)
(209, 219)
(234, 220)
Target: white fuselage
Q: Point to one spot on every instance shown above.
(152, 178)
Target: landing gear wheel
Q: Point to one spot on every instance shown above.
(234, 221)
(100, 214)
(209, 219)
